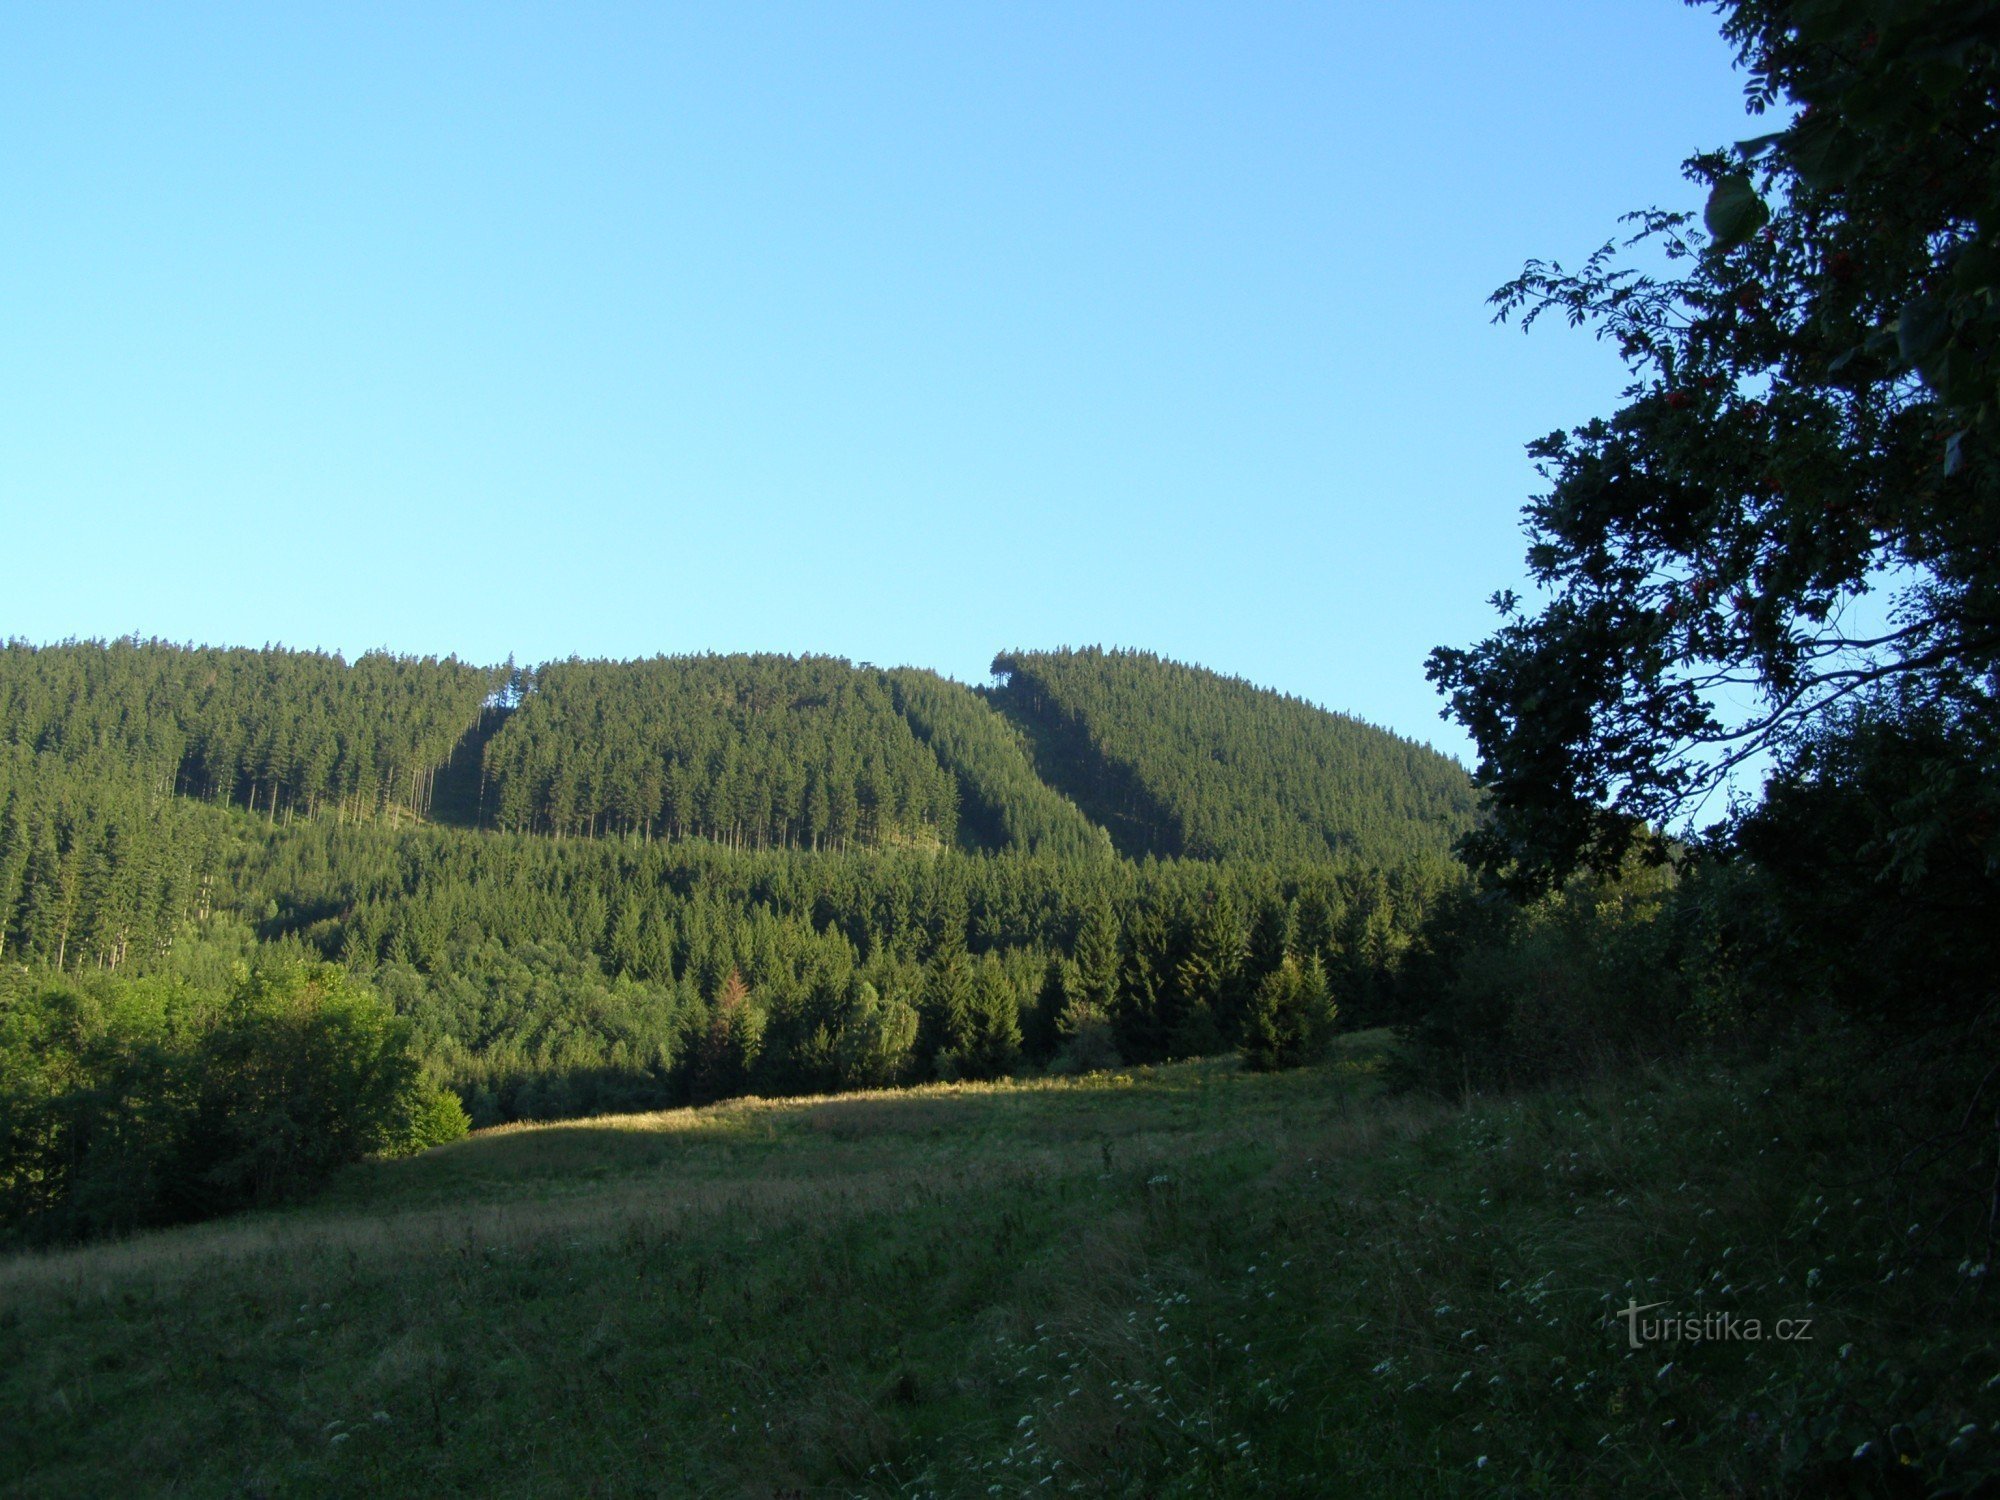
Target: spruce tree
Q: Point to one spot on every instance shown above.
(944, 1009)
(1316, 931)
(1098, 959)
(729, 1043)
(1199, 973)
(989, 1042)
(1055, 1003)
(1138, 1018)
(1291, 1018)
(1270, 940)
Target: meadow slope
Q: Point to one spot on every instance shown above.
(1179, 1280)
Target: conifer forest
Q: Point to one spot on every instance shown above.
(598, 886)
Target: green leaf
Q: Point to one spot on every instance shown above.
(1823, 154)
(1920, 328)
(1825, 20)
(1734, 211)
(1975, 267)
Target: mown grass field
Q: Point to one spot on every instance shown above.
(1182, 1280)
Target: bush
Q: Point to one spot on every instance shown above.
(436, 1118)
(125, 1103)
(1876, 853)
(1861, 889)
(1510, 995)
(1090, 1045)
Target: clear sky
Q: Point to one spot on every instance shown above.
(899, 332)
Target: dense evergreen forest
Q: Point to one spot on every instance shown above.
(750, 751)
(279, 731)
(589, 886)
(1003, 804)
(1175, 760)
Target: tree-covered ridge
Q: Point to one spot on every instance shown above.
(1003, 804)
(1177, 760)
(752, 751)
(275, 730)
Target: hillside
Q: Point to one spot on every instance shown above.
(762, 751)
(630, 885)
(750, 751)
(1176, 760)
(1176, 1281)
(1003, 804)
(1079, 751)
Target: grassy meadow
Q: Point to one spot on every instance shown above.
(1178, 1280)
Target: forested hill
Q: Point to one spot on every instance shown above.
(812, 752)
(1003, 804)
(1079, 752)
(749, 751)
(1176, 760)
(770, 752)
(692, 876)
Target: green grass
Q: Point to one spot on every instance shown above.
(1180, 1280)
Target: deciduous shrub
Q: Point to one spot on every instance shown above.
(132, 1103)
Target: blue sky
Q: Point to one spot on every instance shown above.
(901, 332)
